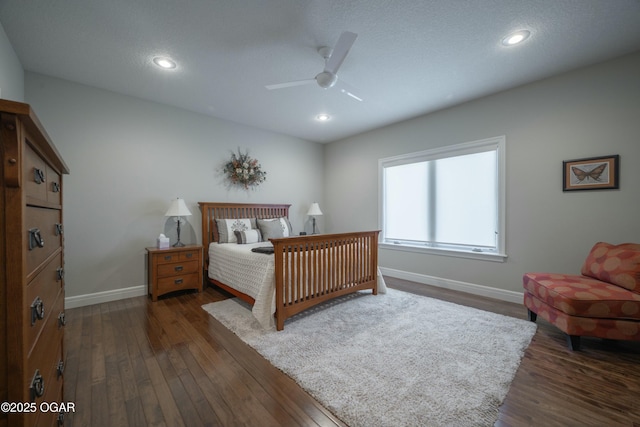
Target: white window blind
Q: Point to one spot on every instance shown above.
(449, 200)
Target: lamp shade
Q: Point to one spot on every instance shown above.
(178, 208)
(314, 210)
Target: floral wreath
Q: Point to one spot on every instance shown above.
(244, 170)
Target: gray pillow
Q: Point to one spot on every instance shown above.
(270, 229)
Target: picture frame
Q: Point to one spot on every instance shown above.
(593, 173)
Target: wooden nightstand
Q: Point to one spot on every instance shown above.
(174, 269)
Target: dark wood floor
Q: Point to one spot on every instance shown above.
(137, 363)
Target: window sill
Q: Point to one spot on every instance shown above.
(485, 256)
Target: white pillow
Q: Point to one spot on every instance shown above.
(228, 227)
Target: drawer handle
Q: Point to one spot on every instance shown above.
(60, 418)
(35, 239)
(178, 281)
(38, 175)
(62, 319)
(59, 230)
(60, 273)
(37, 386)
(55, 187)
(60, 368)
(167, 257)
(179, 268)
(37, 310)
(189, 255)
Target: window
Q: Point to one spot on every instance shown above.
(448, 200)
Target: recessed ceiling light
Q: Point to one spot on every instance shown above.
(164, 62)
(323, 117)
(515, 38)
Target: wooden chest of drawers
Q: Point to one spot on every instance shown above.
(174, 269)
(31, 269)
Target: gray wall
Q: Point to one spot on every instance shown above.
(11, 72)
(129, 158)
(589, 112)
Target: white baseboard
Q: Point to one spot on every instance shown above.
(106, 296)
(470, 288)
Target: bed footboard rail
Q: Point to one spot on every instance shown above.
(313, 269)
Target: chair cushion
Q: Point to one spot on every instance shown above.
(583, 296)
(613, 329)
(617, 264)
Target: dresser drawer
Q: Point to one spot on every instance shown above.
(42, 183)
(34, 175)
(44, 299)
(177, 283)
(54, 186)
(179, 268)
(45, 359)
(53, 393)
(43, 230)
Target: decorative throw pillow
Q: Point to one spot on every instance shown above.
(227, 228)
(248, 236)
(274, 228)
(617, 264)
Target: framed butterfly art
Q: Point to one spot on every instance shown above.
(594, 173)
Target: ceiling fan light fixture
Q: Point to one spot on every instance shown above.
(326, 79)
(516, 38)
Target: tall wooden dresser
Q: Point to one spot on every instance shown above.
(31, 271)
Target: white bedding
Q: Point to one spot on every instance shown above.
(253, 274)
(248, 272)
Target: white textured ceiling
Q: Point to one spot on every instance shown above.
(411, 57)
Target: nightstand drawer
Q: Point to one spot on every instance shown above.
(176, 283)
(168, 257)
(189, 255)
(180, 268)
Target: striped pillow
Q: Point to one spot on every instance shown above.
(248, 236)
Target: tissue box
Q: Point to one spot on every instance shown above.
(163, 242)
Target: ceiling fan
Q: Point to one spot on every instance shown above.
(333, 58)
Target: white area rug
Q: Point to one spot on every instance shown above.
(394, 359)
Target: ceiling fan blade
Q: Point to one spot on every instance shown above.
(351, 94)
(348, 90)
(290, 84)
(340, 51)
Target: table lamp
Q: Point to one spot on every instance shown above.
(314, 211)
(178, 209)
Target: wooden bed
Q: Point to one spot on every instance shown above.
(309, 269)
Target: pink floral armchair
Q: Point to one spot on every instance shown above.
(603, 302)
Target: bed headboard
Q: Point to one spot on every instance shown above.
(213, 210)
